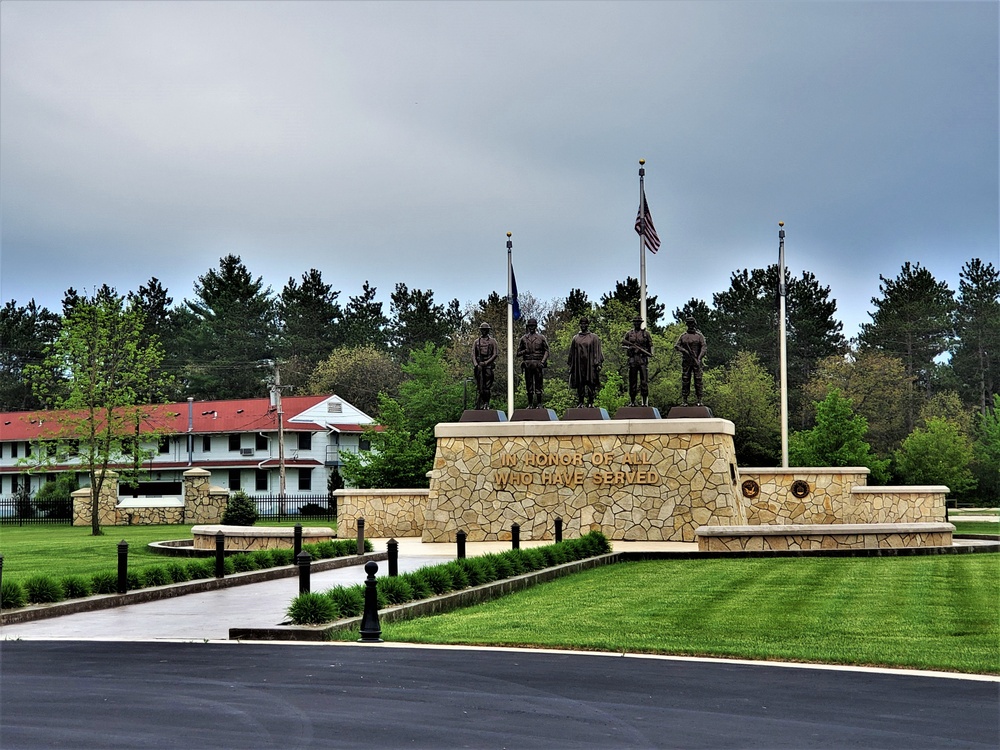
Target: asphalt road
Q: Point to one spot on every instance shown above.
(77, 694)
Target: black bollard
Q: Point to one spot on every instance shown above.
(460, 540)
(558, 530)
(393, 546)
(361, 536)
(371, 631)
(297, 540)
(304, 561)
(515, 536)
(1, 581)
(220, 555)
(122, 567)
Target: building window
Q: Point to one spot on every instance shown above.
(13, 450)
(305, 480)
(27, 449)
(164, 445)
(206, 443)
(261, 442)
(261, 480)
(364, 445)
(234, 442)
(15, 484)
(234, 479)
(305, 441)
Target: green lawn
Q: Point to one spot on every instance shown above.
(64, 550)
(935, 612)
(977, 527)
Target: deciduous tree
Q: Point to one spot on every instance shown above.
(937, 454)
(358, 375)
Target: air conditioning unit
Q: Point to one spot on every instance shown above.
(246, 451)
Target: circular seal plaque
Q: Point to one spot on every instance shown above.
(800, 488)
(750, 489)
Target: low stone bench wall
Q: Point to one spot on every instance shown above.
(387, 513)
(823, 536)
(903, 504)
(249, 538)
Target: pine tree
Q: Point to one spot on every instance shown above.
(310, 323)
(364, 322)
(976, 354)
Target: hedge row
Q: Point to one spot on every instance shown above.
(45, 589)
(348, 601)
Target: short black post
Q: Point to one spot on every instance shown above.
(1, 581)
(515, 536)
(220, 555)
(371, 631)
(304, 561)
(297, 540)
(361, 536)
(558, 530)
(460, 540)
(393, 546)
(122, 567)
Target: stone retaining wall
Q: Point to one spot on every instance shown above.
(249, 538)
(387, 513)
(769, 498)
(815, 536)
(905, 504)
(202, 503)
(649, 480)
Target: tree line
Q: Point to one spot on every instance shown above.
(923, 369)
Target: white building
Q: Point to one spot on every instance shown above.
(237, 441)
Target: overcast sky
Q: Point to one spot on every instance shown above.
(400, 141)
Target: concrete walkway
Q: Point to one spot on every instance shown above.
(209, 615)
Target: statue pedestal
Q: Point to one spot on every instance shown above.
(631, 479)
(534, 415)
(483, 415)
(637, 412)
(689, 412)
(578, 413)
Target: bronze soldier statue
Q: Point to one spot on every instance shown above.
(585, 360)
(533, 351)
(693, 348)
(484, 357)
(638, 345)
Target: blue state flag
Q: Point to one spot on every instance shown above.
(513, 295)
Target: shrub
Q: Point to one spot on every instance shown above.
(156, 575)
(396, 590)
(421, 589)
(134, 580)
(459, 578)
(240, 510)
(513, 558)
(11, 595)
(349, 600)
(42, 589)
(53, 498)
(312, 609)
(473, 570)
(501, 565)
(178, 573)
(104, 582)
(325, 550)
(75, 586)
(283, 556)
(314, 509)
(244, 563)
(533, 559)
(201, 569)
(263, 558)
(438, 579)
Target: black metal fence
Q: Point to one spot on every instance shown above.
(18, 510)
(295, 507)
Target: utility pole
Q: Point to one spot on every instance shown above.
(276, 400)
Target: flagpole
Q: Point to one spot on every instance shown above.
(783, 355)
(642, 248)
(510, 330)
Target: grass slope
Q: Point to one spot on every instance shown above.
(938, 612)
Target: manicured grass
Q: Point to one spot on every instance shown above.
(977, 527)
(935, 612)
(64, 550)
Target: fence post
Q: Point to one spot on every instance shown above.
(393, 546)
(361, 536)
(460, 541)
(220, 555)
(122, 567)
(371, 631)
(1, 581)
(558, 530)
(304, 560)
(297, 540)
(515, 536)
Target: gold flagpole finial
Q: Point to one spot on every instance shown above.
(508, 234)
(641, 162)
(781, 223)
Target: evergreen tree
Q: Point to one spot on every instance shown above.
(158, 325)
(310, 319)
(976, 355)
(912, 321)
(415, 320)
(233, 331)
(629, 293)
(364, 323)
(25, 331)
(987, 454)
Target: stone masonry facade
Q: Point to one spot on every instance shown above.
(387, 513)
(202, 503)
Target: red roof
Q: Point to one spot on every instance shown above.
(205, 417)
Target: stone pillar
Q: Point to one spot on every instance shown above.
(202, 502)
(107, 503)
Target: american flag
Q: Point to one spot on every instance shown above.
(644, 226)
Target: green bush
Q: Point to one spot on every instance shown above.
(314, 509)
(244, 563)
(283, 557)
(240, 510)
(156, 575)
(395, 589)
(134, 580)
(178, 573)
(325, 550)
(533, 559)
(312, 609)
(349, 600)
(104, 582)
(459, 578)
(202, 568)
(53, 498)
(473, 570)
(513, 558)
(438, 579)
(75, 586)
(42, 589)
(11, 595)
(501, 565)
(263, 558)
(417, 581)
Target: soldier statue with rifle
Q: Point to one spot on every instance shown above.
(693, 348)
(638, 345)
